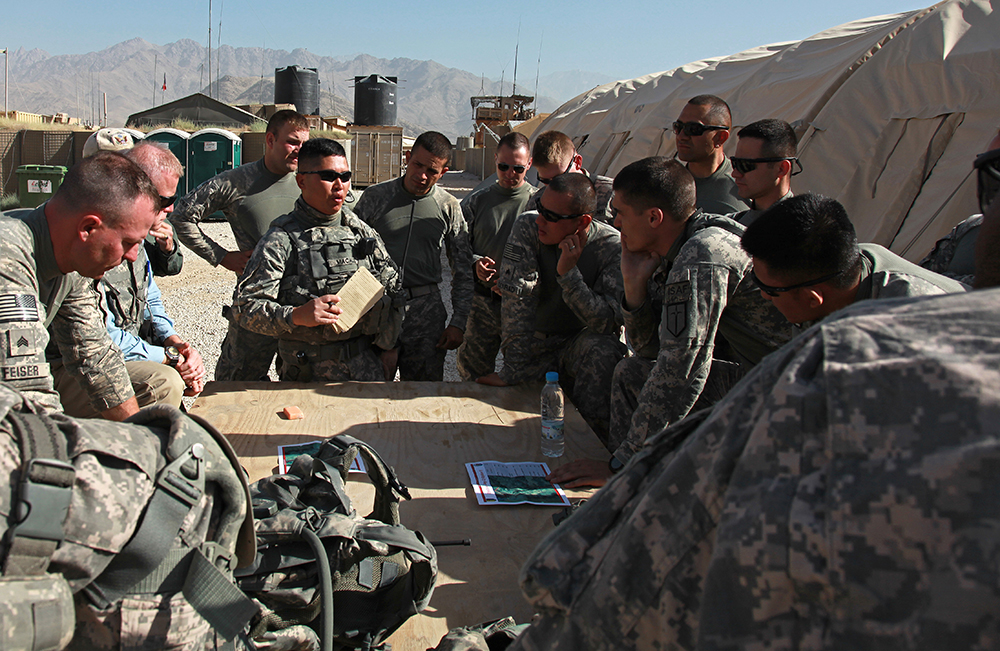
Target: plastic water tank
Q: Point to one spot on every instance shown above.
(298, 86)
(375, 101)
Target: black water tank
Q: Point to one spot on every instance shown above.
(298, 86)
(375, 101)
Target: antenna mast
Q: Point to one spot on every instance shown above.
(209, 48)
(517, 45)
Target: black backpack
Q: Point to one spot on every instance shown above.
(352, 579)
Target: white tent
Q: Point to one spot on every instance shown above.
(890, 112)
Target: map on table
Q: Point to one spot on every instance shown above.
(288, 453)
(514, 483)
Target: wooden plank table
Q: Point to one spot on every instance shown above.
(427, 432)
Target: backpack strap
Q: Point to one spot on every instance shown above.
(341, 450)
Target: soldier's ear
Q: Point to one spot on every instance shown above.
(269, 139)
(815, 296)
(655, 216)
(720, 137)
(86, 226)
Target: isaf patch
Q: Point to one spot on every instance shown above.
(21, 342)
(676, 297)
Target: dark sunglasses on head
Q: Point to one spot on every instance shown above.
(988, 176)
(777, 291)
(166, 202)
(747, 165)
(695, 128)
(545, 181)
(331, 175)
(554, 217)
(503, 167)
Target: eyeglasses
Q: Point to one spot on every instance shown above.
(988, 175)
(777, 291)
(695, 128)
(747, 165)
(332, 175)
(166, 202)
(554, 217)
(503, 167)
(545, 181)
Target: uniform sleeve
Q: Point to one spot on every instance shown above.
(212, 195)
(518, 281)
(456, 241)
(694, 298)
(257, 292)
(599, 307)
(391, 315)
(642, 327)
(164, 264)
(469, 208)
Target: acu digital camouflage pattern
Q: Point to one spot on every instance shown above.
(478, 353)
(954, 254)
(25, 601)
(307, 254)
(36, 301)
(569, 323)
(842, 496)
(603, 185)
(702, 315)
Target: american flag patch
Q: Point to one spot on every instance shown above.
(511, 252)
(18, 307)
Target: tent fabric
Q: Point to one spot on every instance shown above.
(200, 109)
(890, 112)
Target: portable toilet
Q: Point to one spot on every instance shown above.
(177, 141)
(211, 151)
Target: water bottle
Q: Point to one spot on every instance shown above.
(553, 440)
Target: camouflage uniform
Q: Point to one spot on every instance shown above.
(604, 185)
(705, 323)
(570, 323)
(250, 197)
(954, 254)
(307, 254)
(164, 264)
(36, 301)
(490, 214)
(436, 220)
(842, 496)
(717, 193)
(750, 215)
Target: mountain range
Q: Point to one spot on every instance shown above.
(429, 95)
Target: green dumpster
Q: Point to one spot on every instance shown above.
(37, 183)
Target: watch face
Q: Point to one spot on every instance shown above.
(173, 355)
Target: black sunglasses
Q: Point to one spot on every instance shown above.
(166, 202)
(545, 181)
(554, 217)
(332, 175)
(777, 291)
(988, 176)
(747, 165)
(695, 128)
(503, 167)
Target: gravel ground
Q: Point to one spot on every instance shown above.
(194, 298)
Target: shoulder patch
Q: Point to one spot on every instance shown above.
(18, 307)
(511, 252)
(677, 292)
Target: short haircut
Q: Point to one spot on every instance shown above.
(580, 190)
(515, 141)
(551, 147)
(434, 143)
(155, 159)
(778, 137)
(657, 182)
(718, 110)
(806, 237)
(287, 116)
(316, 148)
(108, 185)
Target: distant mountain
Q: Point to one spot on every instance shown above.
(430, 96)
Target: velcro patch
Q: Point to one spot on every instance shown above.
(512, 288)
(22, 342)
(18, 307)
(25, 371)
(511, 252)
(677, 292)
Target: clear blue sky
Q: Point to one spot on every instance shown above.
(619, 39)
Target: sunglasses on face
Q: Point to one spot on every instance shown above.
(503, 167)
(695, 128)
(166, 202)
(554, 217)
(747, 165)
(988, 176)
(331, 175)
(777, 291)
(545, 181)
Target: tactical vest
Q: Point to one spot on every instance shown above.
(127, 310)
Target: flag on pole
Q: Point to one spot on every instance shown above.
(164, 81)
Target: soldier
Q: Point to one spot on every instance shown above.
(251, 197)
(490, 214)
(98, 217)
(807, 262)
(415, 218)
(701, 130)
(693, 317)
(762, 166)
(554, 154)
(561, 284)
(289, 290)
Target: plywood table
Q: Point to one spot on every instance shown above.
(427, 432)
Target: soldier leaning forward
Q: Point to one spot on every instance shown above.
(308, 254)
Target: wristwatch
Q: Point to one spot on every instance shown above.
(614, 465)
(173, 355)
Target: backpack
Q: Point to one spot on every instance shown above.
(354, 580)
(119, 534)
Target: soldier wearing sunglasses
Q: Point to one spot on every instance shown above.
(553, 154)
(808, 263)
(764, 165)
(490, 213)
(701, 130)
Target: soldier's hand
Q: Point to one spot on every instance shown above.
(191, 368)
(637, 269)
(580, 473)
(570, 250)
(390, 360)
(451, 338)
(493, 380)
(485, 268)
(317, 312)
(236, 261)
(164, 236)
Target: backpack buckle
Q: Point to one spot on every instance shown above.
(46, 493)
(181, 480)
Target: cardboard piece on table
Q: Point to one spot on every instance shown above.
(357, 296)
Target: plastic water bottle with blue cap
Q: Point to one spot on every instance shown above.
(553, 440)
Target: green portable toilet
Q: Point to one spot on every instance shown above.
(178, 142)
(211, 151)
(37, 183)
